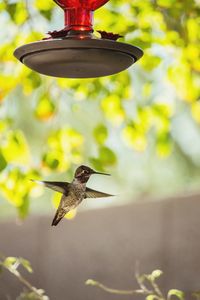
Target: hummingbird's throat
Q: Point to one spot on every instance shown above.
(81, 179)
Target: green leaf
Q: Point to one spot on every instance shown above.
(11, 9)
(166, 3)
(153, 276)
(51, 160)
(152, 297)
(96, 163)
(9, 261)
(107, 156)
(100, 133)
(177, 293)
(156, 274)
(26, 264)
(15, 147)
(150, 62)
(91, 282)
(135, 138)
(45, 109)
(31, 296)
(113, 109)
(47, 14)
(23, 209)
(3, 162)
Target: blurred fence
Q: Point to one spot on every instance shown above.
(105, 245)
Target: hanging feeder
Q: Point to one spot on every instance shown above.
(74, 52)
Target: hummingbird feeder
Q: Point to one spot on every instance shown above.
(74, 52)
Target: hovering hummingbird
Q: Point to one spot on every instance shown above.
(73, 193)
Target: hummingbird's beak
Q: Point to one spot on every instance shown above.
(100, 173)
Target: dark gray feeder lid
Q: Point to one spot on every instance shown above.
(76, 58)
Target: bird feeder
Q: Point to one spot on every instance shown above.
(74, 52)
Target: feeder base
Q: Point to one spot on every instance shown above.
(74, 58)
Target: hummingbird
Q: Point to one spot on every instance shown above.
(73, 193)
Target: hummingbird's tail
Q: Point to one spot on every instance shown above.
(55, 221)
(58, 217)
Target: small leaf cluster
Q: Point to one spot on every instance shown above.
(12, 265)
(148, 287)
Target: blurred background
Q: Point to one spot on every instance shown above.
(141, 125)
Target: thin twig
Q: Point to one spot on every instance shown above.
(26, 283)
(140, 281)
(157, 290)
(21, 278)
(115, 291)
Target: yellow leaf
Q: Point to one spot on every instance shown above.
(56, 200)
(135, 139)
(71, 214)
(195, 110)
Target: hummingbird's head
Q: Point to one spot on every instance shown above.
(83, 173)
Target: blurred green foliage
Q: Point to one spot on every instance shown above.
(50, 125)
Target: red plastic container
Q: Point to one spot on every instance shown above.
(79, 13)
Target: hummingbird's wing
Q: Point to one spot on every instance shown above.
(89, 193)
(58, 186)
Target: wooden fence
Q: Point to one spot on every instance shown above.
(105, 245)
